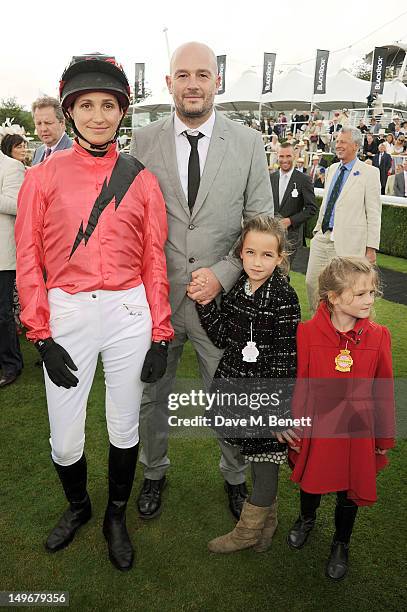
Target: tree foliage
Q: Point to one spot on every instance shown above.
(9, 108)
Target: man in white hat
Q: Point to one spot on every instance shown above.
(313, 171)
(300, 165)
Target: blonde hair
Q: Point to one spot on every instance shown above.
(340, 274)
(272, 226)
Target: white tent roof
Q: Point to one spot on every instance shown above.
(394, 92)
(343, 89)
(160, 102)
(293, 90)
(243, 94)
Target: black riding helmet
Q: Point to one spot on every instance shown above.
(93, 72)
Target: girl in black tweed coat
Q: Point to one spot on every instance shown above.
(256, 326)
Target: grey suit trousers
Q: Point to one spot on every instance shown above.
(154, 427)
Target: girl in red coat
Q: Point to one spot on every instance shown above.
(345, 387)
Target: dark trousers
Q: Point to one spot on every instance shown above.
(11, 360)
(294, 240)
(345, 513)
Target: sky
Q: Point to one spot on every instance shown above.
(36, 47)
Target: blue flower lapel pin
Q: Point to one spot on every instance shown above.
(356, 173)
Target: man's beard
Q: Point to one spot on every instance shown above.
(195, 112)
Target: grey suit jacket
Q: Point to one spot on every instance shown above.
(235, 184)
(399, 185)
(64, 143)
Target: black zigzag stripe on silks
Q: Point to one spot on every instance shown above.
(124, 172)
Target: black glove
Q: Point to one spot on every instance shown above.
(155, 362)
(56, 359)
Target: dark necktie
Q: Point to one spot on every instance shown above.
(194, 173)
(47, 152)
(332, 201)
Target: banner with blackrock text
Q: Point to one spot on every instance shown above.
(378, 70)
(268, 72)
(321, 68)
(221, 59)
(139, 88)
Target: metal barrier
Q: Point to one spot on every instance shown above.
(385, 199)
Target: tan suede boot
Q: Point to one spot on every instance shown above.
(270, 525)
(245, 534)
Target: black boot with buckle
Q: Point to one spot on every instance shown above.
(237, 495)
(149, 500)
(122, 466)
(73, 478)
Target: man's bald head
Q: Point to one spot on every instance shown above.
(198, 50)
(193, 82)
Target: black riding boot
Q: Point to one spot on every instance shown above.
(122, 466)
(299, 532)
(345, 515)
(73, 479)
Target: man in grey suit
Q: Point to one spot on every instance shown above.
(400, 182)
(212, 172)
(49, 122)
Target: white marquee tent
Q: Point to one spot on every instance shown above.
(160, 102)
(292, 90)
(345, 90)
(394, 92)
(243, 94)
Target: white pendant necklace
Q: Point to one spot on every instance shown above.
(250, 352)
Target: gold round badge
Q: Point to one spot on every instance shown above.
(343, 361)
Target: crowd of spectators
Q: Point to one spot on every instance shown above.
(314, 140)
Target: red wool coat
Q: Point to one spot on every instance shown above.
(351, 413)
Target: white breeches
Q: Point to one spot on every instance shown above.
(117, 325)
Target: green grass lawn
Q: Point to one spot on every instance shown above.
(398, 264)
(174, 571)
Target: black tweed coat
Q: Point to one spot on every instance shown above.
(273, 312)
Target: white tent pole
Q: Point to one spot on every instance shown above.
(403, 67)
(313, 85)
(165, 30)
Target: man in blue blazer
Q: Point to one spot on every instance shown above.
(49, 122)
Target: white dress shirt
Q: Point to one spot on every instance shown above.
(183, 148)
(283, 181)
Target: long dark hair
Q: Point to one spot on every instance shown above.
(9, 141)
